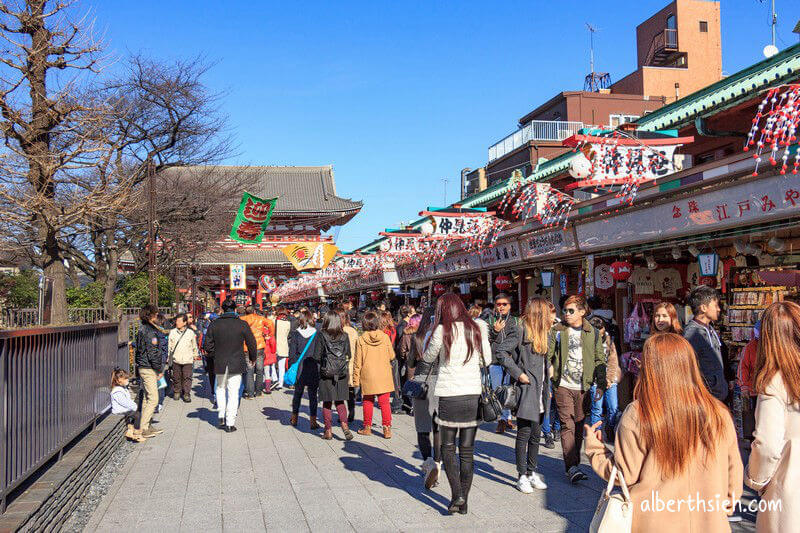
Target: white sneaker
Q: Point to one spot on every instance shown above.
(524, 484)
(537, 481)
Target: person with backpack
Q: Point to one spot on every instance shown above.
(332, 352)
(576, 353)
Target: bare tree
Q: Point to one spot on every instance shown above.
(43, 119)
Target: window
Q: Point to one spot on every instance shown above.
(617, 119)
(703, 26)
(671, 22)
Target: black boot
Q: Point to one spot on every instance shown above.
(467, 469)
(451, 468)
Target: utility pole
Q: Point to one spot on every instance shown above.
(445, 180)
(152, 267)
(773, 22)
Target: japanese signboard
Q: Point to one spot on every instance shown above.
(309, 255)
(238, 277)
(252, 218)
(458, 226)
(501, 254)
(757, 201)
(546, 244)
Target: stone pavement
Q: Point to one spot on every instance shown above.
(271, 476)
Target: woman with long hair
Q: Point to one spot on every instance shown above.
(676, 441)
(388, 326)
(372, 371)
(525, 360)
(332, 353)
(308, 371)
(461, 347)
(424, 408)
(352, 336)
(665, 319)
(774, 466)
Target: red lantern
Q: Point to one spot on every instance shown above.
(711, 281)
(621, 270)
(438, 289)
(503, 283)
(375, 295)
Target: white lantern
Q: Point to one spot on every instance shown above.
(580, 167)
(426, 228)
(385, 245)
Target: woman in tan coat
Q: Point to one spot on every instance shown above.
(352, 334)
(372, 370)
(774, 467)
(675, 445)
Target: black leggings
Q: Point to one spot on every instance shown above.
(459, 470)
(298, 395)
(527, 445)
(424, 442)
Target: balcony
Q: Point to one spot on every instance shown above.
(664, 51)
(535, 130)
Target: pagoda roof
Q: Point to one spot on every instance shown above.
(248, 255)
(309, 192)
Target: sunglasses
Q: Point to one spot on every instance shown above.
(501, 305)
(570, 311)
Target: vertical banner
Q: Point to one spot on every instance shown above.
(588, 275)
(252, 218)
(238, 277)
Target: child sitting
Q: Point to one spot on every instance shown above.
(123, 404)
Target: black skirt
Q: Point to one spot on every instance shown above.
(458, 411)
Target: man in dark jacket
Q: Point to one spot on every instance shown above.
(700, 333)
(224, 342)
(502, 324)
(149, 366)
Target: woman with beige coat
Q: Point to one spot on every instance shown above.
(675, 446)
(774, 467)
(352, 335)
(372, 371)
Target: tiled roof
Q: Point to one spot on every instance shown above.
(245, 254)
(298, 189)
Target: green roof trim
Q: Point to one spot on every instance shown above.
(726, 93)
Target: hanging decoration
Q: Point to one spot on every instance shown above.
(310, 255)
(539, 201)
(267, 283)
(252, 218)
(238, 277)
(503, 283)
(438, 289)
(775, 128)
(621, 270)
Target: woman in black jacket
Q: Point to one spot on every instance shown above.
(308, 370)
(332, 353)
(528, 368)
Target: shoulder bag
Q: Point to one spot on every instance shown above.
(490, 407)
(415, 389)
(290, 377)
(614, 513)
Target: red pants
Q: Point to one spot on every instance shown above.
(386, 409)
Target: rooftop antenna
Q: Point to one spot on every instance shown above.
(445, 180)
(594, 81)
(770, 50)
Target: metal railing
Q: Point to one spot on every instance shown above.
(54, 383)
(19, 318)
(27, 318)
(535, 130)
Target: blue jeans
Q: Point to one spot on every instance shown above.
(609, 398)
(498, 377)
(552, 415)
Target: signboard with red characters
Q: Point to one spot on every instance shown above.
(252, 218)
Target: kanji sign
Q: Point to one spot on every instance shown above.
(238, 277)
(252, 218)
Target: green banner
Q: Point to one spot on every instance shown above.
(252, 219)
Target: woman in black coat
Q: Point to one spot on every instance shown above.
(523, 355)
(332, 353)
(308, 370)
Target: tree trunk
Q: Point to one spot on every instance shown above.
(111, 283)
(55, 270)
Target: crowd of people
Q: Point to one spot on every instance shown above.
(672, 429)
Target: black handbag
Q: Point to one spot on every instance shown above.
(508, 396)
(490, 407)
(415, 389)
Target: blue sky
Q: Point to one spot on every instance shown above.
(399, 95)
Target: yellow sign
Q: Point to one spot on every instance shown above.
(310, 255)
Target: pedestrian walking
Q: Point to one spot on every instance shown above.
(501, 324)
(149, 366)
(208, 362)
(460, 346)
(675, 444)
(576, 353)
(352, 337)
(332, 353)
(283, 327)
(224, 342)
(418, 331)
(372, 371)
(606, 402)
(300, 342)
(523, 354)
(774, 466)
(705, 340)
(182, 346)
(254, 376)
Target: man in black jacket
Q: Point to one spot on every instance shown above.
(502, 324)
(149, 367)
(701, 334)
(224, 342)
